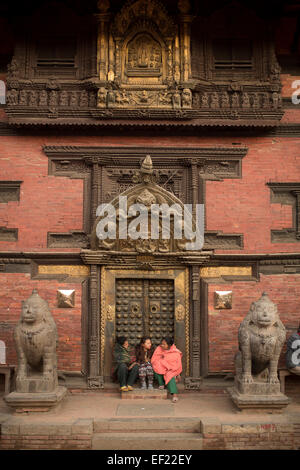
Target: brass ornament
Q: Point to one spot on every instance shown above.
(179, 312)
(184, 6)
(110, 312)
(69, 270)
(219, 271)
(103, 5)
(223, 299)
(65, 298)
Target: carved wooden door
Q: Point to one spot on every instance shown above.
(144, 307)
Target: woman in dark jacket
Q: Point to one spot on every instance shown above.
(126, 370)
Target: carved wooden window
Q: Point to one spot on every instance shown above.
(287, 194)
(232, 54)
(56, 54)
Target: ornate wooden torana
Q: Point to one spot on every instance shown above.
(144, 284)
(140, 64)
(146, 194)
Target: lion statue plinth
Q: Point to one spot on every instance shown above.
(261, 337)
(36, 341)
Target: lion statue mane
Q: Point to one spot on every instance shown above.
(36, 340)
(261, 337)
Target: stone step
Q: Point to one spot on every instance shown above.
(147, 441)
(164, 424)
(139, 394)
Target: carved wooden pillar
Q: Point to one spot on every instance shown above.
(111, 59)
(102, 45)
(194, 381)
(185, 46)
(118, 58)
(95, 380)
(95, 189)
(195, 369)
(297, 194)
(177, 58)
(169, 59)
(99, 184)
(195, 192)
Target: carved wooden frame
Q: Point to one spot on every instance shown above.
(289, 194)
(89, 163)
(97, 69)
(109, 274)
(202, 163)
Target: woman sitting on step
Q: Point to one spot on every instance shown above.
(127, 369)
(167, 365)
(143, 354)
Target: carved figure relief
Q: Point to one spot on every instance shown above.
(23, 98)
(142, 69)
(143, 64)
(43, 98)
(12, 97)
(186, 98)
(143, 57)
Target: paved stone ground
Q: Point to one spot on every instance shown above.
(101, 420)
(95, 405)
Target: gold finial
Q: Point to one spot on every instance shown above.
(147, 166)
(103, 5)
(184, 6)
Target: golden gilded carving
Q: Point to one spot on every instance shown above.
(103, 5)
(66, 298)
(179, 312)
(103, 289)
(110, 312)
(187, 319)
(117, 307)
(70, 270)
(184, 6)
(223, 299)
(144, 57)
(219, 271)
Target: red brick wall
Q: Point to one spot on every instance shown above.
(17, 287)
(224, 324)
(243, 205)
(49, 203)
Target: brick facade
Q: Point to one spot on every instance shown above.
(17, 287)
(49, 203)
(224, 324)
(237, 206)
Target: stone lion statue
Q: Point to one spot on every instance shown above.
(36, 341)
(261, 337)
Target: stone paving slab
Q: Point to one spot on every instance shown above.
(157, 441)
(147, 424)
(95, 405)
(146, 409)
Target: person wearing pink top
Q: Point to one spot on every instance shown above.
(167, 366)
